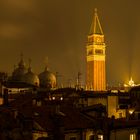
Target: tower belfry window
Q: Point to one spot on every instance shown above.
(99, 51)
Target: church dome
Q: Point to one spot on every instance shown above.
(47, 79)
(19, 72)
(31, 78)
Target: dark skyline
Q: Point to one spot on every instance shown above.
(58, 30)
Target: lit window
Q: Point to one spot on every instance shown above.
(90, 52)
(100, 137)
(38, 103)
(50, 98)
(36, 114)
(99, 51)
(133, 136)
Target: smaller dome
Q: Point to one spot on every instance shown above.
(19, 72)
(47, 79)
(21, 63)
(31, 78)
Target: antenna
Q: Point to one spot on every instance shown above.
(79, 80)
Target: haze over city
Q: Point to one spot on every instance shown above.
(58, 30)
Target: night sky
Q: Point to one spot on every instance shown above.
(58, 29)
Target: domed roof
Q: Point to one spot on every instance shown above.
(21, 63)
(19, 72)
(31, 78)
(47, 79)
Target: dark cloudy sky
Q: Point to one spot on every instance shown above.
(58, 29)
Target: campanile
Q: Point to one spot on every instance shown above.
(95, 57)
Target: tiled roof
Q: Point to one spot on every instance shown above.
(71, 117)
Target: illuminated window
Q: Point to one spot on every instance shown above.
(99, 51)
(38, 103)
(36, 114)
(100, 137)
(133, 136)
(90, 52)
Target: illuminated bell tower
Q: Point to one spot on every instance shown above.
(96, 71)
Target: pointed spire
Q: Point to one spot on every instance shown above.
(29, 69)
(131, 82)
(21, 62)
(96, 26)
(95, 11)
(46, 64)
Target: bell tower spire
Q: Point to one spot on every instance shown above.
(96, 26)
(96, 72)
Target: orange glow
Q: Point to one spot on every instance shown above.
(131, 110)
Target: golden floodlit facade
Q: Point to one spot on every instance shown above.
(95, 58)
